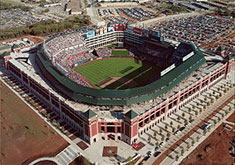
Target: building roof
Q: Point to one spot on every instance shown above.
(220, 49)
(131, 114)
(15, 46)
(3, 47)
(89, 114)
(5, 54)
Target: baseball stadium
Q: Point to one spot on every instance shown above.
(116, 82)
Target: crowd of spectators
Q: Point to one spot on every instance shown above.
(104, 52)
(65, 50)
(65, 42)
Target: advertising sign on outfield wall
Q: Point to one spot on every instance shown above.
(188, 56)
(101, 30)
(90, 34)
(155, 33)
(105, 29)
(138, 31)
(168, 69)
(110, 29)
(97, 32)
(145, 33)
(130, 29)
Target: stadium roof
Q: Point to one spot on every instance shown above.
(3, 47)
(89, 114)
(131, 114)
(15, 46)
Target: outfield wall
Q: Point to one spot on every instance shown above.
(117, 97)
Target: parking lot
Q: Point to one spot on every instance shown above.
(124, 15)
(200, 29)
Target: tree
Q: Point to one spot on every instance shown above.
(166, 127)
(182, 151)
(154, 134)
(157, 144)
(62, 129)
(178, 118)
(226, 112)
(204, 132)
(48, 116)
(160, 131)
(149, 139)
(219, 119)
(193, 142)
(168, 134)
(54, 121)
(196, 113)
(190, 118)
(198, 138)
(215, 122)
(177, 157)
(189, 110)
(183, 114)
(162, 138)
(178, 127)
(44, 113)
(185, 122)
(171, 123)
(220, 94)
(58, 124)
(193, 107)
(212, 101)
(173, 129)
(200, 110)
(188, 146)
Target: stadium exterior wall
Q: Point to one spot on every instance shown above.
(127, 129)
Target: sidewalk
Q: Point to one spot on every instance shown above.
(169, 160)
(188, 131)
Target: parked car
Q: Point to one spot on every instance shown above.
(156, 154)
(176, 132)
(146, 157)
(167, 139)
(149, 153)
(205, 126)
(181, 129)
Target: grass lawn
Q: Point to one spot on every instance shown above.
(23, 133)
(129, 69)
(119, 53)
(112, 45)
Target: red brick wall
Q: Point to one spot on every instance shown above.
(135, 130)
(127, 130)
(93, 129)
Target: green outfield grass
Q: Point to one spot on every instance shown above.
(128, 69)
(119, 53)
